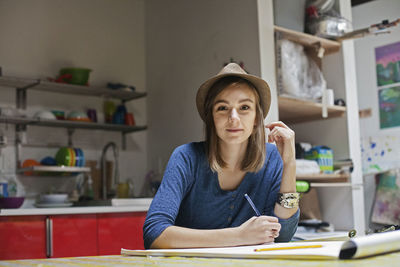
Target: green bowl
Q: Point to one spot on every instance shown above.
(80, 76)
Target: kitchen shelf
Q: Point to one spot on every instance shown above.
(55, 169)
(308, 40)
(43, 85)
(71, 124)
(293, 110)
(324, 178)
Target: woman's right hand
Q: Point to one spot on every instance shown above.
(259, 230)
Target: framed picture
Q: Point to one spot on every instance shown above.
(386, 209)
(387, 60)
(389, 107)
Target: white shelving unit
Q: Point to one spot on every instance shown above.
(341, 198)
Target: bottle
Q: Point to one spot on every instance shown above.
(12, 188)
(89, 189)
(3, 187)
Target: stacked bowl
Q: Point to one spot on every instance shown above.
(68, 156)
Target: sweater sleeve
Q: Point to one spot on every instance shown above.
(165, 205)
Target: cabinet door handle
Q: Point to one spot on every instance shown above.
(49, 237)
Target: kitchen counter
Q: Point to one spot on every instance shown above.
(118, 205)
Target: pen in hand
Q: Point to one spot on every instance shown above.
(252, 205)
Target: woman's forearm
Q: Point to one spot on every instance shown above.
(181, 237)
(288, 185)
(256, 230)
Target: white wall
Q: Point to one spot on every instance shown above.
(40, 37)
(187, 42)
(363, 16)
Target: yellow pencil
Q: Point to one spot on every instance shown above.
(283, 248)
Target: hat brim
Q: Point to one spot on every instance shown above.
(261, 86)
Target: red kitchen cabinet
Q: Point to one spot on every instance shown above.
(22, 237)
(72, 235)
(120, 230)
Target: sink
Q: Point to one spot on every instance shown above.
(93, 203)
(131, 202)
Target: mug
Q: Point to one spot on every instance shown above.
(92, 115)
(129, 119)
(123, 190)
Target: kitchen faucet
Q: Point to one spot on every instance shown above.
(103, 167)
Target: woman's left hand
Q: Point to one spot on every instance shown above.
(283, 137)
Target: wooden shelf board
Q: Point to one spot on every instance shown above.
(292, 110)
(330, 185)
(309, 40)
(324, 178)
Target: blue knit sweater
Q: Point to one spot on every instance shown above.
(190, 195)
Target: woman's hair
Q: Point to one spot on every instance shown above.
(255, 153)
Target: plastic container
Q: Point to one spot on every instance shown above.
(79, 76)
(324, 157)
(3, 188)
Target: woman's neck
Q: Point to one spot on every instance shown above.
(233, 154)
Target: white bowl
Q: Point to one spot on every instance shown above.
(44, 114)
(53, 198)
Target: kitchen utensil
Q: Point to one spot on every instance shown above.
(79, 76)
(44, 114)
(63, 156)
(29, 163)
(73, 156)
(49, 161)
(123, 190)
(92, 115)
(129, 119)
(119, 115)
(82, 157)
(11, 202)
(53, 205)
(109, 109)
(53, 198)
(60, 115)
(78, 116)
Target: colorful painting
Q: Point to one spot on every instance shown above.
(380, 153)
(389, 107)
(387, 199)
(388, 64)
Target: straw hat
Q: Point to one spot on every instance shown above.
(233, 69)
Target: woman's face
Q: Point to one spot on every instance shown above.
(234, 113)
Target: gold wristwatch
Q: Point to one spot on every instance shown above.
(288, 200)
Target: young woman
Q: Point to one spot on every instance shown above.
(201, 202)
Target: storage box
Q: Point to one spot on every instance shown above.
(324, 157)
